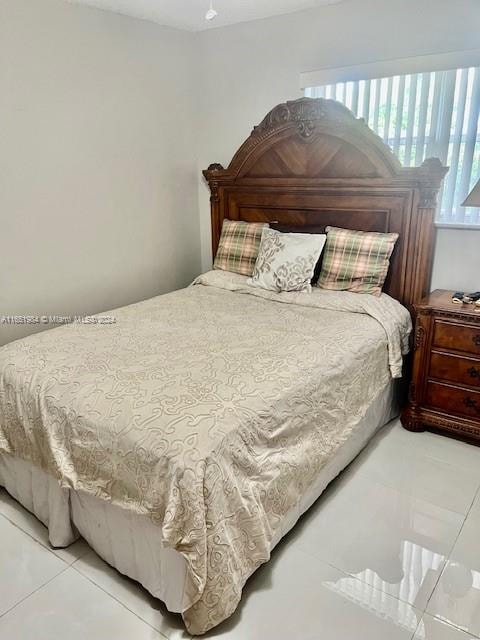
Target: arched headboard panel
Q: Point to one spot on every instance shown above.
(309, 164)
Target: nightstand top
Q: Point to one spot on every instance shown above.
(441, 299)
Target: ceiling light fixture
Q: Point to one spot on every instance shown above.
(211, 13)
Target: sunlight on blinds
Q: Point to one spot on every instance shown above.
(420, 116)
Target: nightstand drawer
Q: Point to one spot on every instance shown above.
(454, 368)
(455, 400)
(458, 337)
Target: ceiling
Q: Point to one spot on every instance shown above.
(190, 14)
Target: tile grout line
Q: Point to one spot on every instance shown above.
(72, 566)
(446, 556)
(44, 546)
(468, 634)
(428, 456)
(414, 635)
(477, 493)
(384, 483)
(35, 591)
(354, 577)
(67, 566)
(420, 611)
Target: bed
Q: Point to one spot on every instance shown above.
(185, 439)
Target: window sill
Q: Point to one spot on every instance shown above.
(457, 225)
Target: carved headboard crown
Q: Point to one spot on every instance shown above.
(309, 164)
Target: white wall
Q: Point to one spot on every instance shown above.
(246, 69)
(457, 260)
(98, 183)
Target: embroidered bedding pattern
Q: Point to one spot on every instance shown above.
(238, 246)
(356, 260)
(286, 261)
(183, 413)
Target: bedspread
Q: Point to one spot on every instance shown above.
(206, 410)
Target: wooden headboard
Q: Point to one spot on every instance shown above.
(309, 164)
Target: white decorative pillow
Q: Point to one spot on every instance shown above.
(286, 261)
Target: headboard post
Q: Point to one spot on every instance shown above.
(309, 164)
(216, 219)
(422, 236)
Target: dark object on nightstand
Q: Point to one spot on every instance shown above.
(444, 393)
(471, 298)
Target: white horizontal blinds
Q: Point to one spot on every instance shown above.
(423, 115)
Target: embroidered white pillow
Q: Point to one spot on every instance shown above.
(286, 261)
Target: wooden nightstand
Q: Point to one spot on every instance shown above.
(444, 392)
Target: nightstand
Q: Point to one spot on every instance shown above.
(444, 393)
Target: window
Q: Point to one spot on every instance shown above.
(422, 115)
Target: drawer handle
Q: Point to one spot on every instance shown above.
(476, 340)
(471, 404)
(473, 372)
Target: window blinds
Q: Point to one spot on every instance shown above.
(423, 115)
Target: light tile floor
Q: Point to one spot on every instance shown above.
(390, 551)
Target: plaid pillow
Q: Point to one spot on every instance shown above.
(238, 247)
(356, 261)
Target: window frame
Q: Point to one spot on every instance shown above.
(387, 70)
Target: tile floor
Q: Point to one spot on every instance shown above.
(390, 551)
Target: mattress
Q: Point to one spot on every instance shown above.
(133, 544)
(210, 413)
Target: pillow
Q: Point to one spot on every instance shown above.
(356, 261)
(238, 246)
(286, 261)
